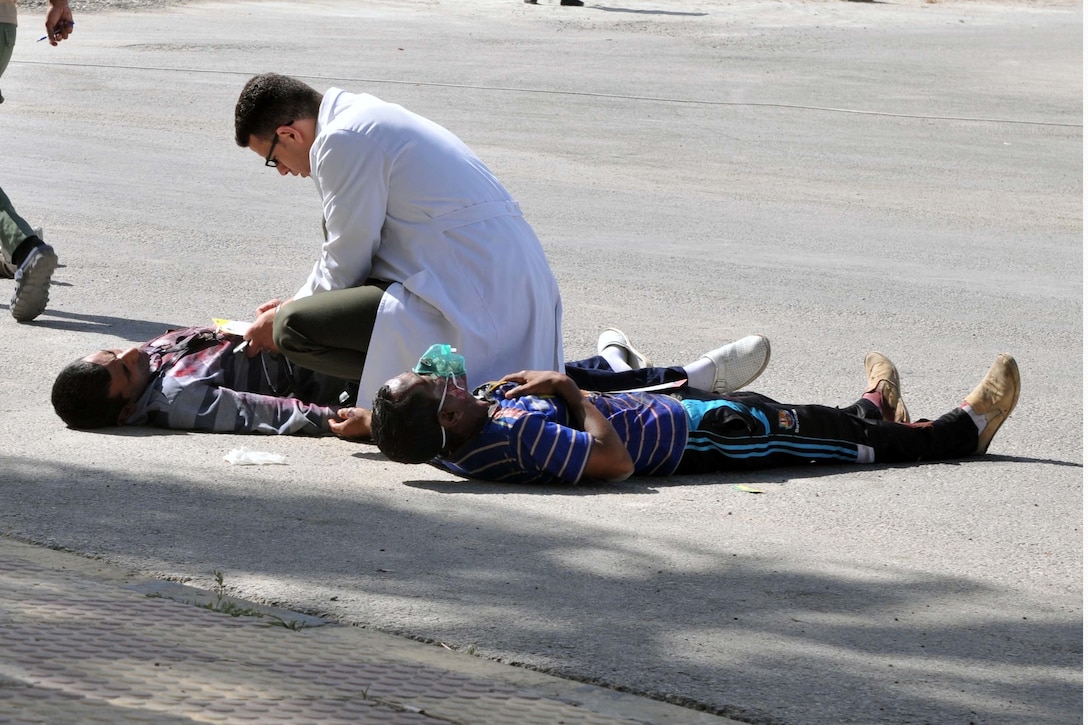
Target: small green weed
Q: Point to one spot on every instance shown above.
(224, 605)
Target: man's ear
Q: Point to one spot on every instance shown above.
(449, 417)
(302, 131)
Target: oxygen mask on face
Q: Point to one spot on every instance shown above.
(441, 360)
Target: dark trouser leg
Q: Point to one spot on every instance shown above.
(595, 374)
(864, 409)
(330, 332)
(765, 434)
(953, 435)
(311, 386)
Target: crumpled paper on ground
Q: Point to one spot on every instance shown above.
(244, 457)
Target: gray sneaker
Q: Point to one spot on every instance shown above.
(32, 283)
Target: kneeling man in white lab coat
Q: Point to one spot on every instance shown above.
(422, 242)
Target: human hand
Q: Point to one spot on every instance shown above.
(540, 382)
(58, 21)
(270, 305)
(354, 426)
(259, 334)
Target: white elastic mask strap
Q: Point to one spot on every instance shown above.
(441, 402)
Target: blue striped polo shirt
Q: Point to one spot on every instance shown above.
(530, 439)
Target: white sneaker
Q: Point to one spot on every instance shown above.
(613, 337)
(739, 363)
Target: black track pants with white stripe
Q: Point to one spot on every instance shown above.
(768, 434)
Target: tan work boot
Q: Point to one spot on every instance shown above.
(995, 397)
(884, 377)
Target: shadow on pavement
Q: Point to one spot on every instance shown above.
(571, 597)
(607, 9)
(126, 328)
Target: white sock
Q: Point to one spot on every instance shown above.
(701, 373)
(980, 420)
(866, 454)
(616, 357)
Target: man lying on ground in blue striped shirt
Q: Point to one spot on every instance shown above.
(540, 427)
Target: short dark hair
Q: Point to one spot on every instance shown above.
(406, 429)
(81, 396)
(269, 101)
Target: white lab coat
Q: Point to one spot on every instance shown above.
(405, 200)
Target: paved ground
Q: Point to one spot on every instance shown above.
(85, 642)
(841, 176)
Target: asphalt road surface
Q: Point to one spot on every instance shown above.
(840, 176)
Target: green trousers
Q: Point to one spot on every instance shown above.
(7, 45)
(330, 332)
(13, 228)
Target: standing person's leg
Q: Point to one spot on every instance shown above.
(33, 259)
(7, 46)
(14, 232)
(330, 332)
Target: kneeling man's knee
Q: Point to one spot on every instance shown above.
(285, 334)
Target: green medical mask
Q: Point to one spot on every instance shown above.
(441, 360)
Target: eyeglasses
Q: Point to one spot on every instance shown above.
(268, 160)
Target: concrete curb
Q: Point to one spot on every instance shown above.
(89, 642)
